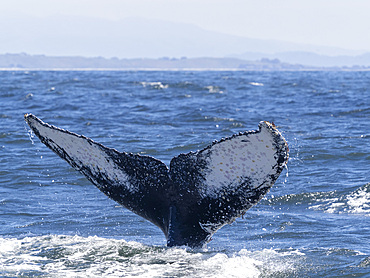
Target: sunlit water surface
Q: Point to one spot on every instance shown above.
(315, 222)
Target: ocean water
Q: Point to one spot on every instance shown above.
(315, 222)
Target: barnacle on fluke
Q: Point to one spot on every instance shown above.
(198, 194)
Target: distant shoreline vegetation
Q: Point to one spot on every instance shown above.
(25, 61)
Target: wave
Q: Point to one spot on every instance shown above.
(353, 202)
(76, 256)
(190, 86)
(357, 202)
(215, 89)
(154, 85)
(256, 84)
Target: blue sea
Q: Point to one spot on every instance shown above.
(315, 221)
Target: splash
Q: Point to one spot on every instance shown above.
(356, 202)
(359, 201)
(75, 256)
(286, 173)
(30, 133)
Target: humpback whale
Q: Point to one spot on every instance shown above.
(196, 195)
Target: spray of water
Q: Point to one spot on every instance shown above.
(30, 133)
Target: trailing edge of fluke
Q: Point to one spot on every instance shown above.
(200, 191)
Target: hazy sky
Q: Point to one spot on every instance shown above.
(340, 23)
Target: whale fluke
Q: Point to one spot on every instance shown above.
(198, 194)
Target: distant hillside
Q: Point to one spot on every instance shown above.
(52, 62)
(25, 61)
(311, 59)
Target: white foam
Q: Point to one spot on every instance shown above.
(155, 85)
(256, 84)
(214, 89)
(357, 202)
(234, 266)
(75, 256)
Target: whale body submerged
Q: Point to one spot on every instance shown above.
(200, 191)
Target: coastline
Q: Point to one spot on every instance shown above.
(25, 62)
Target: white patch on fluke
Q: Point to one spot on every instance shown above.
(250, 156)
(83, 152)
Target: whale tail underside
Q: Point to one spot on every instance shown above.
(198, 194)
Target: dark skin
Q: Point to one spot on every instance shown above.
(173, 199)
